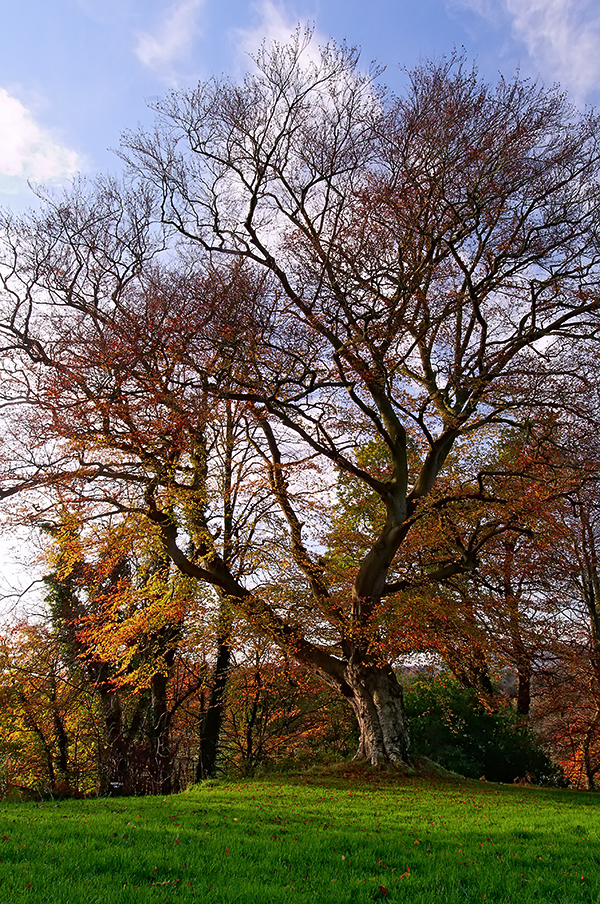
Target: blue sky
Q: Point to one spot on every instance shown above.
(75, 73)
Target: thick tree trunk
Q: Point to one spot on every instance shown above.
(62, 745)
(378, 703)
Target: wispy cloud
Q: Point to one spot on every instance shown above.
(172, 39)
(27, 151)
(275, 23)
(562, 37)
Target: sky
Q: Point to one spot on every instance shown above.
(75, 74)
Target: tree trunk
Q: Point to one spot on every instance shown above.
(114, 759)
(378, 703)
(62, 745)
(162, 766)
(524, 689)
(215, 713)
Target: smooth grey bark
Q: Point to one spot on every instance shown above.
(378, 704)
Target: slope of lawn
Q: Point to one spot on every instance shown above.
(346, 835)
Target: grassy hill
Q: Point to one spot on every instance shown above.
(346, 835)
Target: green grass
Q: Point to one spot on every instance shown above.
(346, 835)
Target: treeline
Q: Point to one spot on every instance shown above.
(321, 369)
(136, 682)
(61, 735)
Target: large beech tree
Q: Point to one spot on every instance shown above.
(415, 271)
(437, 253)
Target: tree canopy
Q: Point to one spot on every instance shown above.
(307, 283)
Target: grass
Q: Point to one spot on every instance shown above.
(345, 835)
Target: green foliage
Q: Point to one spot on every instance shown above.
(450, 725)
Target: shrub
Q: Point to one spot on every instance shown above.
(450, 725)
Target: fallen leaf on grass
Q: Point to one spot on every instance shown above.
(407, 873)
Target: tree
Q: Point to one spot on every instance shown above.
(513, 589)
(277, 711)
(417, 271)
(570, 718)
(436, 258)
(48, 730)
(119, 615)
(108, 419)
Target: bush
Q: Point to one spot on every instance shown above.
(451, 726)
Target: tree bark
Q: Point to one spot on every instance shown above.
(115, 758)
(162, 766)
(524, 689)
(161, 714)
(377, 699)
(215, 713)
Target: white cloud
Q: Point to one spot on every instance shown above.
(172, 39)
(26, 150)
(276, 23)
(563, 38)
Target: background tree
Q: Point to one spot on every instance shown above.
(110, 404)
(120, 615)
(277, 713)
(570, 715)
(49, 730)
